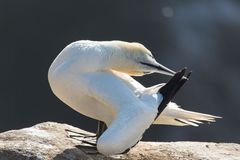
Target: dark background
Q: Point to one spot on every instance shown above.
(202, 35)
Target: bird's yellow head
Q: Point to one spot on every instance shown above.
(136, 60)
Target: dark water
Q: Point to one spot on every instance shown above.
(202, 35)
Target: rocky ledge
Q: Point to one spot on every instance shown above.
(50, 140)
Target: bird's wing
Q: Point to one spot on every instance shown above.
(131, 116)
(153, 89)
(137, 87)
(110, 90)
(174, 115)
(129, 81)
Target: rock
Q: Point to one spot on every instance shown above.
(50, 140)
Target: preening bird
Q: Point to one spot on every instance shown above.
(94, 79)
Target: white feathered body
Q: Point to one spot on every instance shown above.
(84, 76)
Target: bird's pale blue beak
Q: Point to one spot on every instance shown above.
(160, 69)
(164, 70)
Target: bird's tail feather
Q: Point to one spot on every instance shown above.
(174, 115)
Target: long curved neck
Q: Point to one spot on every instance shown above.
(113, 58)
(103, 56)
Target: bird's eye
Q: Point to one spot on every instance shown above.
(151, 56)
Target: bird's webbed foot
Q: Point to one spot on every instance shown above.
(85, 139)
(74, 134)
(88, 142)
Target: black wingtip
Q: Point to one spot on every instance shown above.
(189, 74)
(170, 89)
(183, 71)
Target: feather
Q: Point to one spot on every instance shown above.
(174, 115)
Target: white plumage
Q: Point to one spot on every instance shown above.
(94, 78)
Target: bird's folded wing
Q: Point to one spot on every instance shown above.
(126, 130)
(129, 81)
(131, 116)
(110, 90)
(137, 87)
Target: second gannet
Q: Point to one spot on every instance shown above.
(94, 78)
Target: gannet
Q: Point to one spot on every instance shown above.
(95, 79)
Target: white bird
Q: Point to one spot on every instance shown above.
(94, 78)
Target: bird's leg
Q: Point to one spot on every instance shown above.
(101, 128)
(85, 139)
(78, 134)
(88, 141)
(91, 147)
